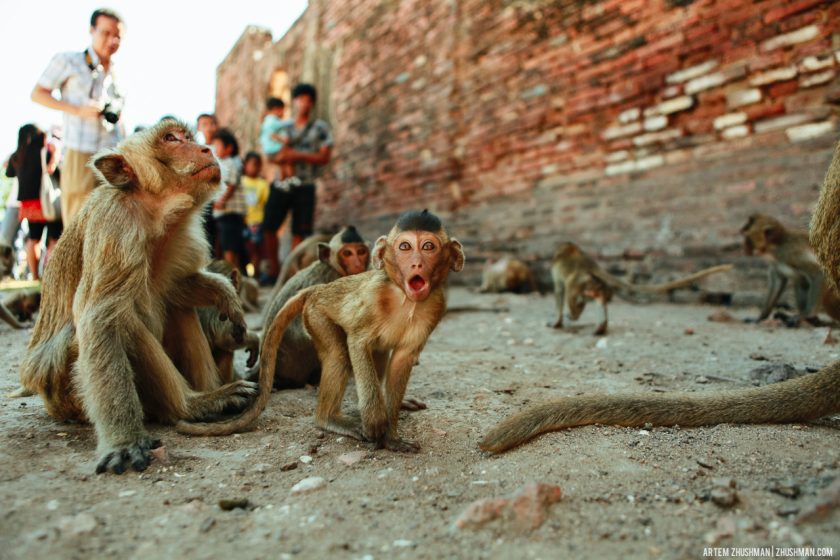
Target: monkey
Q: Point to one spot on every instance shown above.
(577, 278)
(797, 400)
(220, 333)
(18, 308)
(372, 325)
(790, 259)
(7, 259)
(507, 274)
(297, 361)
(299, 258)
(249, 294)
(119, 296)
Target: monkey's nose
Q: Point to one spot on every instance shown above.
(205, 150)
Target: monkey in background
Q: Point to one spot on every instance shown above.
(796, 400)
(508, 274)
(297, 361)
(222, 335)
(7, 259)
(578, 278)
(790, 259)
(299, 258)
(119, 299)
(371, 325)
(18, 308)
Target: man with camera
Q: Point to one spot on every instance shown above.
(91, 104)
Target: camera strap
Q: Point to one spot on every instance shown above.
(89, 61)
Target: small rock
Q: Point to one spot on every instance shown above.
(261, 467)
(308, 485)
(52, 505)
(721, 317)
(353, 457)
(688, 332)
(305, 459)
(773, 373)
(701, 379)
(81, 524)
(758, 357)
(724, 497)
(789, 509)
(235, 503)
(127, 493)
(159, 453)
(787, 488)
(527, 509)
(706, 463)
(289, 466)
(403, 543)
(207, 524)
(601, 344)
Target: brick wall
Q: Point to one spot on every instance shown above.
(635, 127)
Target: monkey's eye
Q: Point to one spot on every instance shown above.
(428, 246)
(362, 251)
(170, 137)
(347, 253)
(405, 246)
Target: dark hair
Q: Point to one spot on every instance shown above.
(30, 143)
(274, 103)
(422, 221)
(252, 155)
(168, 118)
(104, 12)
(350, 235)
(305, 89)
(207, 116)
(226, 137)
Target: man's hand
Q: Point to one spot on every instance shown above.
(89, 111)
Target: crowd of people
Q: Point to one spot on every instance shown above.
(257, 192)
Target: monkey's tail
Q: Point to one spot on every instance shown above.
(667, 286)
(804, 398)
(268, 364)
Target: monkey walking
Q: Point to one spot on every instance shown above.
(372, 325)
(119, 299)
(297, 361)
(790, 259)
(577, 278)
(223, 336)
(804, 398)
(507, 274)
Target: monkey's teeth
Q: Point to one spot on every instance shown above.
(416, 283)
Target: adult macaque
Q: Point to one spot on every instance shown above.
(801, 399)
(578, 278)
(223, 336)
(790, 259)
(371, 325)
(507, 274)
(297, 361)
(119, 298)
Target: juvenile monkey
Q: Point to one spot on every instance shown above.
(299, 258)
(804, 398)
(578, 278)
(297, 361)
(222, 335)
(372, 325)
(119, 298)
(790, 258)
(507, 274)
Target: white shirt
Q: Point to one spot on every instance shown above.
(70, 73)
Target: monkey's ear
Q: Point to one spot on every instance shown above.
(116, 170)
(456, 255)
(324, 252)
(236, 279)
(377, 257)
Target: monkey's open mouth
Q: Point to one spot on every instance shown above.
(416, 283)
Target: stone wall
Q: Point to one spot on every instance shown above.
(637, 128)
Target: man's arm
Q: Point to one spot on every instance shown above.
(321, 157)
(43, 96)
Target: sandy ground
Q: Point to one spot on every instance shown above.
(628, 492)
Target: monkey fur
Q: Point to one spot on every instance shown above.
(796, 400)
(297, 361)
(508, 274)
(371, 325)
(790, 259)
(578, 278)
(119, 297)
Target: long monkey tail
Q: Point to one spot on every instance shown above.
(667, 286)
(804, 398)
(268, 363)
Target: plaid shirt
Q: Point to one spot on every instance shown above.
(310, 139)
(70, 73)
(231, 168)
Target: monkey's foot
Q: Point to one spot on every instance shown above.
(231, 398)
(413, 405)
(136, 455)
(20, 392)
(601, 330)
(555, 325)
(401, 445)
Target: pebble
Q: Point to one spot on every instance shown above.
(353, 457)
(403, 543)
(721, 317)
(207, 524)
(309, 484)
(81, 524)
(52, 505)
(786, 488)
(127, 493)
(527, 509)
(235, 503)
(289, 466)
(601, 344)
(305, 459)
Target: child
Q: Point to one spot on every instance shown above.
(229, 205)
(255, 189)
(273, 137)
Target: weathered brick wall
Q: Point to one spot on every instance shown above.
(634, 127)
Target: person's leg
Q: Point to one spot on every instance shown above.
(303, 213)
(77, 182)
(276, 208)
(33, 240)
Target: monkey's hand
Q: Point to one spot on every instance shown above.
(401, 445)
(135, 455)
(412, 405)
(252, 345)
(233, 313)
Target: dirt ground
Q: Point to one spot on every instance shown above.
(626, 492)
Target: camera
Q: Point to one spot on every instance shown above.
(111, 112)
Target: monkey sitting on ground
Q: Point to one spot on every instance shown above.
(299, 258)
(800, 399)
(18, 308)
(790, 258)
(371, 325)
(577, 278)
(221, 333)
(119, 298)
(7, 259)
(297, 361)
(507, 274)
(249, 294)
